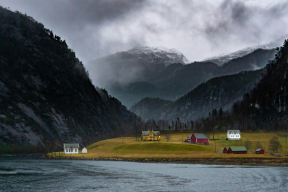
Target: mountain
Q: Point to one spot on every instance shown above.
(133, 65)
(46, 96)
(153, 72)
(252, 61)
(224, 58)
(265, 107)
(147, 106)
(219, 92)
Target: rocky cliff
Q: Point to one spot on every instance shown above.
(46, 96)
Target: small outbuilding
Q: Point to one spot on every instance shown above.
(259, 151)
(198, 138)
(71, 148)
(225, 150)
(237, 150)
(84, 150)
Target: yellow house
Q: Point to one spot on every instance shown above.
(150, 135)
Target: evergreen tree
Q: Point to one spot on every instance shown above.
(192, 125)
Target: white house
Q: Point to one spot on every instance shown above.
(71, 148)
(84, 150)
(233, 135)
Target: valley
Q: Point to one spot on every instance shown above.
(130, 149)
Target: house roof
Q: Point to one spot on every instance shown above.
(259, 149)
(156, 132)
(238, 148)
(226, 148)
(200, 136)
(71, 145)
(147, 132)
(233, 131)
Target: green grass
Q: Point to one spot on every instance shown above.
(129, 148)
(158, 148)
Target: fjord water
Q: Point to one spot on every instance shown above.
(23, 174)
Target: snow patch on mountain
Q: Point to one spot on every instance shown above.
(159, 52)
(224, 58)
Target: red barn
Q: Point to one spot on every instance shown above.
(259, 151)
(199, 138)
(237, 150)
(225, 150)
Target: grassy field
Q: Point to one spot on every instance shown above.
(129, 147)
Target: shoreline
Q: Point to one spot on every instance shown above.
(206, 161)
(269, 161)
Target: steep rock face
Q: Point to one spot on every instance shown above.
(45, 93)
(220, 92)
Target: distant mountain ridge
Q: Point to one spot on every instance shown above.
(224, 58)
(133, 65)
(153, 53)
(175, 80)
(219, 92)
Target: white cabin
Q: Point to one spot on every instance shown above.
(233, 135)
(84, 150)
(71, 148)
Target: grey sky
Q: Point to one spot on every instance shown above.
(199, 28)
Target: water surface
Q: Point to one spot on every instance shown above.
(23, 174)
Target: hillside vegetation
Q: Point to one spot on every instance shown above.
(265, 106)
(219, 92)
(46, 96)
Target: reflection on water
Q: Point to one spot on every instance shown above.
(22, 174)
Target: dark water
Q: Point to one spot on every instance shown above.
(22, 174)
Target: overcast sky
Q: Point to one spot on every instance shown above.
(199, 28)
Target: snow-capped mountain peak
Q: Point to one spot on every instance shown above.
(224, 58)
(172, 55)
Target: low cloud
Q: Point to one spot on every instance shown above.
(198, 29)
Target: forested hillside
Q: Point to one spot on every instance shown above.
(155, 74)
(265, 106)
(46, 96)
(219, 92)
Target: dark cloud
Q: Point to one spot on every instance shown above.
(198, 29)
(249, 24)
(80, 22)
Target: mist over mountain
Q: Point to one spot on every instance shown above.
(133, 65)
(224, 58)
(220, 92)
(151, 72)
(263, 107)
(46, 96)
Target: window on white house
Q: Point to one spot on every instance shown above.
(66, 150)
(75, 150)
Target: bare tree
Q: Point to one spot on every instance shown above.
(248, 144)
(168, 137)
(259, 145)
(275, 145)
